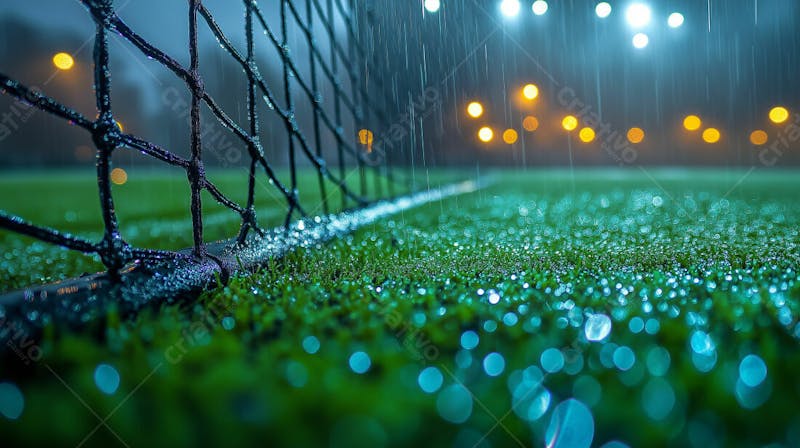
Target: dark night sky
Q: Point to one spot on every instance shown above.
(730, 62)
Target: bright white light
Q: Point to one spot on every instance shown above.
(432, 5)
(539, 7)
(509, 8)
(675, 20)
(640, 40)
(638, 15)
(603, 9)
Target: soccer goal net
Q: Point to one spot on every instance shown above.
(335, 140)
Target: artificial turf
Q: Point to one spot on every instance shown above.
(466, 322)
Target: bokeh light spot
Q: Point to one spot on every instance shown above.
(571, 425)
(63, 61)
(759, 137)
(530, 92)
(603, 9)
(475, 109)
(360, 362)
(675, 20)
(778, 114)
(530, 123)
(494, 364)
(12, 402)
(106, 378)
(635, 135)
(569, 123)
(752, 370)
(119, 176)
(510, 136)
(692, 123)
(641, 40)
(432, 5)
(586, 135)
(711, 135)
(430, 380)
(454, 403)
(539, 7)
(486, 134)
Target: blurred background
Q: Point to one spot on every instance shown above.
(464, 82)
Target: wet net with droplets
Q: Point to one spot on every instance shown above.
(346, 56)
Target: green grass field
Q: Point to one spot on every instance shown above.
(480, 320)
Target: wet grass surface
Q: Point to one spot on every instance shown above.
(68, 201)
(647, 308)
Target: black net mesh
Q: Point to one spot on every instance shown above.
(352, 100)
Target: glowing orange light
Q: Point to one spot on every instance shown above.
(486, 134)
(692, 123)
(758, 137)
(530, 123)
(586, 135)
(475, 109)
(365, 137)
(63, 61)
(510, 136)
(119, 176)
(635, 135)
(530, 91)
(120, 127)
(569, 123)
(778, 114)
(711, 135)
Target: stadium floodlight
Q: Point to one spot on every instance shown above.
(475, 109)
(675, 20)
(539, 7)
(432, 5)
(778, 114)
(692, 122)
(711, 135)
(640, 40)
(638, 15)
(569, 123)
(530, 92)
(485, 134)
(510, 8)
(63, 61)
(603, 10)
